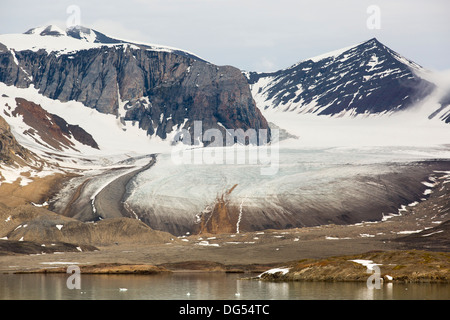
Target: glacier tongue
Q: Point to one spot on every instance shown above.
(313, 186)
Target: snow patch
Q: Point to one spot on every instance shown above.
(59, 263)
(283, 271)
(429, 234)
(206, 243)
(369, 264)
(409, 231)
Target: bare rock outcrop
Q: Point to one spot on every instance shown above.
(161, 91)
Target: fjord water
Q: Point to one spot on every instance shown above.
(204, 286)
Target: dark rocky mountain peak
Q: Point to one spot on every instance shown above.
(49, 30)
(368, 78)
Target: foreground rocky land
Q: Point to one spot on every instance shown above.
(395, 266)
(412, 245)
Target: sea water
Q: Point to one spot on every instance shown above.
(205, 286)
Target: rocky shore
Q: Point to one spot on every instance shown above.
(106, 268)
(394, 266)
(412, 245)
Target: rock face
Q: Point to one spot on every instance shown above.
(223, 218)
(162, 90)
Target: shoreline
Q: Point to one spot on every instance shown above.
(413, 266)
(422, 226)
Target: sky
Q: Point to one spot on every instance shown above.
(253, 35)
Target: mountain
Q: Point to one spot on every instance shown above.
(161, 89)
(97, 113)
(368, 78)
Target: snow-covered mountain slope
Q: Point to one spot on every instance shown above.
(364, 79)
(43, 137)
(111, 135)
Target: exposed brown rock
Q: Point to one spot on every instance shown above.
(11, 152)
(39, 225)
(51, 129)
(37, 191)
(222, 218)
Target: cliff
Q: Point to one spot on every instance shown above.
(161, 90)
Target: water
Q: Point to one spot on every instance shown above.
(204, 286)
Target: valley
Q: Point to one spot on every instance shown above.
(357, 159)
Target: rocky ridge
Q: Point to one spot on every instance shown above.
(161, 90)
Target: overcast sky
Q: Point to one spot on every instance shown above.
(254, 35)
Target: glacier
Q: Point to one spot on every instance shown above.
(313, 186)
